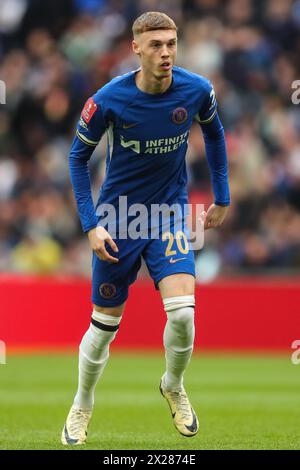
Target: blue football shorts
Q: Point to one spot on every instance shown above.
(168, 254)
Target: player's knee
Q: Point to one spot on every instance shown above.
(104, 327)
(180, 311)
(182, 319)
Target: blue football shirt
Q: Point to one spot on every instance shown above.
(147, 139)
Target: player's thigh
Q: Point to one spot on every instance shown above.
(116, 311)
(111, 281)
(177, 284)
(171, 264)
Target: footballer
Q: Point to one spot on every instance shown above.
(147, 115)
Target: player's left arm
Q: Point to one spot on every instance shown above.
(215, 147)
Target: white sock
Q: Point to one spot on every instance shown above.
(93, 356)
(179, 336)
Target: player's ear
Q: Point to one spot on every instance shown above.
(135, 47)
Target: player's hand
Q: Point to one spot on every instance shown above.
(98, 237)
(215, 216)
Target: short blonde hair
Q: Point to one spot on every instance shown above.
(152, 20)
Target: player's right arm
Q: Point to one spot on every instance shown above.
(90, 129)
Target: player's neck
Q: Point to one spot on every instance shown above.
(150, 84)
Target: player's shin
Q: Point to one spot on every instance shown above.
(178, 338)
(93, 356)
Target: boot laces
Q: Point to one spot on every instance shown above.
(182, 403)
(78, 422)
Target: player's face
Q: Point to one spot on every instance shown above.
(157, 51)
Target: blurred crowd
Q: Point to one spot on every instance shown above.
(54, 54)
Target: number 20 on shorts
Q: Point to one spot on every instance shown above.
(181, 242)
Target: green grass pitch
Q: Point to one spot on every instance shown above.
(243, 402)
